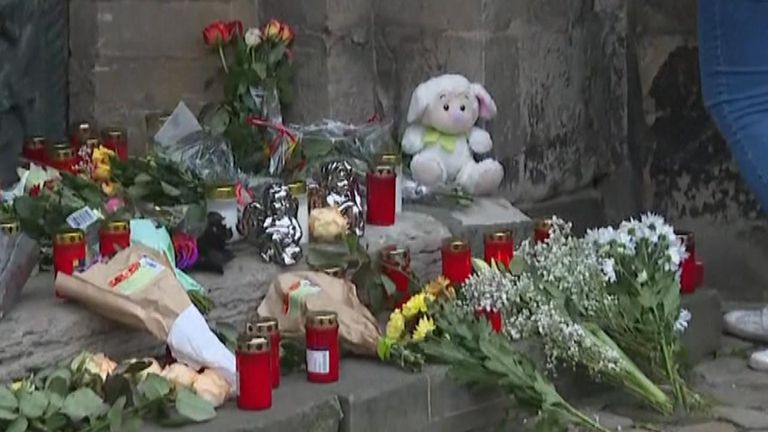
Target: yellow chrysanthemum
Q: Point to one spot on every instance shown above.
(17, 385)
(416, 304)
(425, 327)
(439, 287)
(396, 325)
(108, 188)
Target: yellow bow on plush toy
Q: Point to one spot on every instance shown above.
(446, 141)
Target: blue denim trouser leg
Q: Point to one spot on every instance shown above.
(733, 52)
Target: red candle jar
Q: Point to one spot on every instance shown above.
(69, 252)
(322, 330)
(63, 159)
(266, 327)
(541, 231)
(499, 247)
(493, 317)
(114, 237)
(253, 360)
(690, 270)
(35, 150)
(457, 261)
(396, 265)
(81, 131)
(116, 139)
(381, 196)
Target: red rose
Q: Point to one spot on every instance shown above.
(217, 33)
(235, 28)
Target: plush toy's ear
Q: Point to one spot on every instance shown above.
(419, 101)
(487, 107)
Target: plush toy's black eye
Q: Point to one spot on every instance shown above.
(446, 107)
(462, 107)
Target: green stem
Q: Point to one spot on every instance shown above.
(580, 418)
(223, 58)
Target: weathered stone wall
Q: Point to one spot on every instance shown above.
(130, 58)
(556, 69)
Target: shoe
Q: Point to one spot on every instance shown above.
(759, 361)
(748, 324)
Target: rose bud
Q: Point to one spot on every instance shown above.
(210, 386)
(97, 364)
(180, 375)
(272, 29)
(153, 368)
(235, 28)
(217, 33)
(327, 223)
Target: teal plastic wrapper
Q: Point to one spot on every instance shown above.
(146, 232)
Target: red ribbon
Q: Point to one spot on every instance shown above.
(282, 131)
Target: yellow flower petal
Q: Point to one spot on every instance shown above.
(396, 325)
(425, 327)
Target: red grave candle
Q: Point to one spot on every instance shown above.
(116, 139)
(690, 269)
(322, 330)
(493, 317)
(63, 159)
(69, 252)
(499, 247)
(381, 196)
(266, 327)
(541, 231)
(457, 261)
(81, 131)
(114, 237)
(396, 265)
(35, 150)
(253, 360)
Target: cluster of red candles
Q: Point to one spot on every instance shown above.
(258, 358)
(63, 155)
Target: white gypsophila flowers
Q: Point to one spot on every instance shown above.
(252, 37)
(488, 290)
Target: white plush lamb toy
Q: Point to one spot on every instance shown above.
(442, 135)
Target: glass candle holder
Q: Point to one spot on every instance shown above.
(322, 338)
(35, 151)
(116, 139)
(267, 327)
(457, 261)
(223, 200)
(396, 265)
(499, 247)
(381, 196)
(541, 230)
(63, 159)
(253, 361)
(395, 160)
(114, 237)
(689, 270)
(299, 191)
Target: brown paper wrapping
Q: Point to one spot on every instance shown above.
(153, 308)
(358, 329)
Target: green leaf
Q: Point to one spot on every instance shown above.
(193, 407)
(154, 387)
(517, 266)
(218, 122)
(117, 386)
(58, 381)
(56, 422)
(7, 399)
(82, 403)
(319, 258)
(277, 53)
(170, 190)
(261, 70)
(143, 178)
(480, 266)
(33, 404)
(316, 148)
(7, 415)
(115, 415)
(55, 402)
(19, 425)
(389, 285)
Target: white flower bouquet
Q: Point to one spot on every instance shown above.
(642, 269)
(559, 297)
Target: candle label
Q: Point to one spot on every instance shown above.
(138, 275)
(318, 362)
